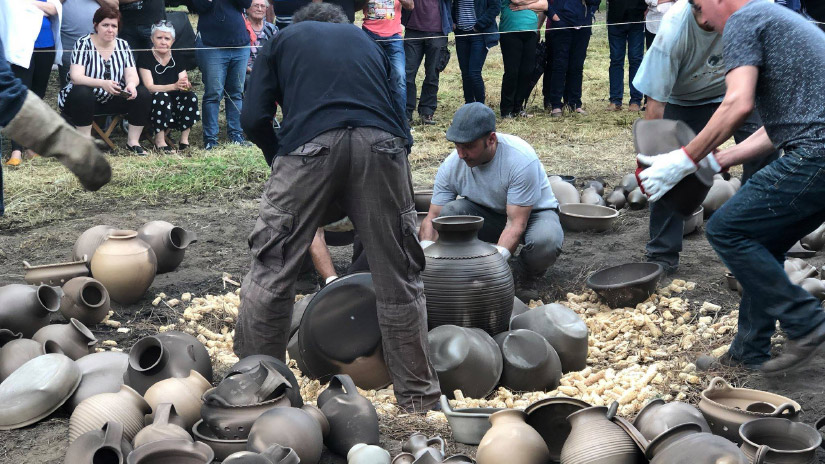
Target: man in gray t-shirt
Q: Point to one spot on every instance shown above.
(501, 179)
(775, 61)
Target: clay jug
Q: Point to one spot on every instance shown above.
(720, 192)
(85, 299)
(168, 242)
(88, 242)
(102, 373)
(125, 265)
(165, 355)
(815, 240)
(126, 407)
(17, 352)
(74, 339)
(352, 418)
(184, 393)
(26, 308)
(773, 440)
(467, 282)
(616, 199)
(530, 363)
(275, 454)
(465, 359)
(418, 442)
(252, 362)
(657, 417)
(591, 197)
(565, 193)
(629, 183)
(595, 439)
(289, 427)
(814, 286)
(362, 453)
(172, 451)
(161, 428)
(511, 440)
(636, 199)
(562, 328)
(104, 446)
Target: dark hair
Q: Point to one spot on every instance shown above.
(106, 12)
(321, 12)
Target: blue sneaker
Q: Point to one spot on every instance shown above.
(210, 145)
(241, 142)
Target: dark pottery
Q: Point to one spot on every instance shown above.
(17, 352)
(104, 446)
(669, 437)
(519, 308)
(565, 193)
(693, 222)
(422, 200)
(352, 418)
(275, 454)
(172, 452)
(549, 418)
(626, 285)
(596, 439)
(697, 448)
(74, 339)
(126, 407)
(125, 265)
(289, 427)
(617, 198)
(85, 299)
(102, 373)
(636, 199)
(161, 428)
(657, 417)
(26, 308)
(465, 359)
(184, 393)
(221, 447)
(530, 363)
(590, 196)
(563, 329)
(597, 185)
(252, 362)
(37, 389)
(418, 441)
(798, 251)
(511, 440)
(467, 282)
(587, 217)
(298, 314)
(88, 242)
(54, 274)
(169, 243)
(773, 440)
(468, 425)
(165, 355)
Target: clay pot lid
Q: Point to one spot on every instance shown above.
(549, 418)
(36, 389)
(457, 223)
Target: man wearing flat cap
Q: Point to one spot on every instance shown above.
(500, 178)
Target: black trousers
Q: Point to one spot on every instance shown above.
(422, 46)
(81, 106)
(564, 71)
(518, 50)
(649, 36)
(36, 77)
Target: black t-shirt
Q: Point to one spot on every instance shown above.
(161, 75)
(142, 13)
(347, 5)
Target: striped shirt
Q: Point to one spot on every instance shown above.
(466, 15)
(86, 55)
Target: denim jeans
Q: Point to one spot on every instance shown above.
(623, 38)
(12, 95)
(751, 232)
(394, 49)
(223, 71)
(424, 46)
(471, 53)
(569, 49)
(666, 225)
(518, 51)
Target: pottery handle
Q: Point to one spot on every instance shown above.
(761, 454)
(783, 409)
(273, 380)
(612, 410)
(113, 434)
(718, 383)
(346, 382)
(162, 413)
(445, 404)
(437, 441)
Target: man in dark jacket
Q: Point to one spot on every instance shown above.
(341, 140)
(630, 38)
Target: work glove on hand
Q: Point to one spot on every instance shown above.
(426, 243)
(664, 172)
(40, 128)
(504, 252)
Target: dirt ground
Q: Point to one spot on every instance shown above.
(223, 225)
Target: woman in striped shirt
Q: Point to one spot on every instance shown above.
(103, 79)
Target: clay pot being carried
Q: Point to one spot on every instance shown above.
(125, 265)
(719, 193)
(169, 243)
(54, 274)
(165, 355)
(465, 359)
(88, 242)
(590, 196)
(104, 446)
(595, 439)
(727, 408)
(102, 373)
(565, 193)
(184, 393)
(511, 440)
(815, 240)
(773, 440)
(74, 339)
(126, 407)
(684, 444)
(467, 282)
(362, 453)
(17, 352)
(289, 427)
(657, 417)
(37, 389)
(352, 418)
(530, 363)
(252, 362)
(26, 309)
(85, 299)
(563, 329)
(172, 452)
(617, 198)
(422, 200)
(636, 199)
(275, 454)
(161, 428)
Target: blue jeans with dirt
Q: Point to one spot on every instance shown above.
(223, 71)
(623, 38)
(394, 49)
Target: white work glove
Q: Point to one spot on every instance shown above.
(504, 252)
(330, 279)
(664, 172)
(425, 244)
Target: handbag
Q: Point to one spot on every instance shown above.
(443, 59)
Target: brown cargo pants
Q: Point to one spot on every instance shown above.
(366, 171)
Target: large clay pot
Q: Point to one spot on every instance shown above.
(368, 454)
(184, 393)
(104, 446)
(815, 240)
(17, 352)
(26, 309)
(275, 454)
(549, 418)
(465, 359)
(125, 265)
(511, 440)
(591, 197)
(595, 439)
(693, 448)
(290, 427)
(773, 440)
(352, 418)
(165, 355)
(562, 328)
(657, 417)
(85, 299)
(293, 392)
(126, 407)
(102, 373)
(467, 282)
(720, 192)
(530, 363)
(169, 243)
(172, 452)
(565, 193)
(161, 428)
(74, 339)
(88, 242)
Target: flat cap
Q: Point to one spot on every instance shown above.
(471, 122)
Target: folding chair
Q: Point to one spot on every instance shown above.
(113, 123)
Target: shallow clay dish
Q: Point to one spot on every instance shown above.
(549, 418)
(579, 217)
(626, 285)
(37, 389)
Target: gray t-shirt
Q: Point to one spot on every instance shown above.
(77, 21)
(790, 54)
(515, 176)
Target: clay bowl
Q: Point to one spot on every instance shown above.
(580, 217)
(549, 418)
(468, 425)
(693, 222)
(422, 200)
(626, 285)
(222, 448)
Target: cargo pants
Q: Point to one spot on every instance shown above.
(367, 172)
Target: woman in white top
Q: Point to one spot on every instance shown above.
(656, 9)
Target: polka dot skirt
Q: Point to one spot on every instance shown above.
(176, 110)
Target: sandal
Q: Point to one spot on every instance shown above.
(137, 149)
(183, 146)
(165, 148)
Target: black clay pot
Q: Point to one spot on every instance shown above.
(352, 418)
(106, 446)
(74, 339)
(169, 243)
(562, 328)
(530, 363)
(289, 427)
(26, 308)
(467, 282)
(293, 392)
(465, 359)
(165, 355)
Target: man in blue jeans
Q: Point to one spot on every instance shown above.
(623, 37)
(382, 22)
(770, 45)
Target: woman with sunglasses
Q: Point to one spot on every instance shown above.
(103, 79)
(174, 105)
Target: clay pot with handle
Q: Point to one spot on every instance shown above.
(657, 417)
(74, 339)
(184, 393)
(126, 407)
(684, 444)
(165, 355)
(352, 418)
(88, 242)
(773, 440)
(169, 243)
(104, 446)
(418, 442)
(26, 309)
(511, 440)
(17, 351)
(161, 428)
(125, 265)
(596, 439)
(86, 300)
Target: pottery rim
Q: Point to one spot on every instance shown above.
(48, 297)
(814, 433)
(126, 234)
(610, 213)
(239, 406)
(458, 223)
(789, 408)
(150, 357)
(92, 294)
